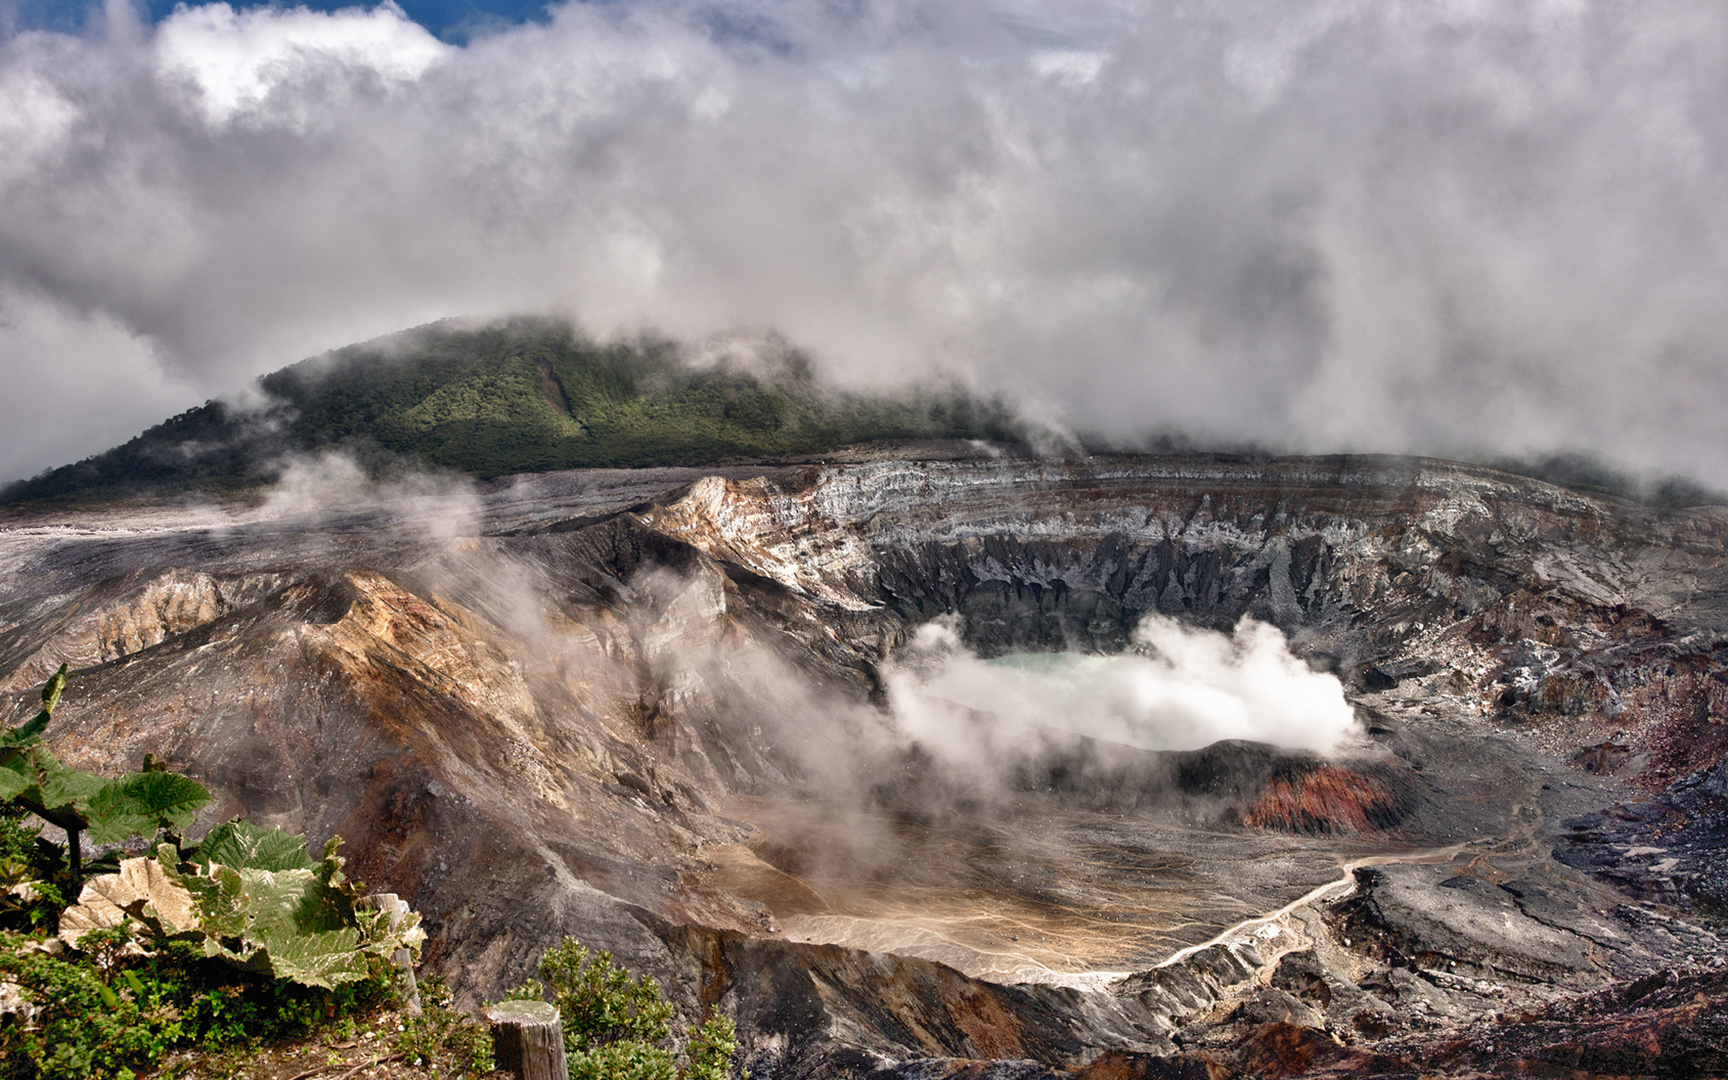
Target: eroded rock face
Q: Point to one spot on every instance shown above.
(646, 709)
(124, 618)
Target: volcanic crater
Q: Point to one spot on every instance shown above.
(653, 709)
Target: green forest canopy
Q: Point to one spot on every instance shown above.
(527, 395)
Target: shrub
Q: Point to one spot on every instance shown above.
(712, 1049)
(442, 1032)
(616, 1027)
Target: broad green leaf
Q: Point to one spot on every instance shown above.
(62, 786)
(323, 907)
(273, 901)
(330, 868)
(220, 899)
(294, 901)
(244, 846)
(288, 919)
(322, 959)
(56, 793)
(27, 734)
(15, 777)
(141, 803)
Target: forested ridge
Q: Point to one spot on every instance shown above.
(527, 395)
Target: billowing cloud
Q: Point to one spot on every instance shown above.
(1177, 688)
(1327, 224)
(247, 65)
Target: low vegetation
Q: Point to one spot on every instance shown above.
(239, 937)
(187, 954)
(616, 1027)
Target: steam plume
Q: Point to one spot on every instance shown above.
(1180, 688)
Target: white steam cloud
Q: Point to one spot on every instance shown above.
(1178, 688)
(1323, 224)
(316, 486)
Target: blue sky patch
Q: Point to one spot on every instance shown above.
(451, 20)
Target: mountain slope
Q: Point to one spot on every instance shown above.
(523, 396)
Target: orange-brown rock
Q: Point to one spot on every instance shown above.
(1326, 799)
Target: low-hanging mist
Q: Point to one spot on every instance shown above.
(1177, 688)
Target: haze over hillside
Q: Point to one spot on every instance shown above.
(526, 395)
(529, 395)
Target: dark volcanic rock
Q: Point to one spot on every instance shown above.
(1666, 848)
(1435, 917)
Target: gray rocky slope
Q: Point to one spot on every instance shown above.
(646, 708)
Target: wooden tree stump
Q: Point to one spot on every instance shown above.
(528, 1040)
(398, 909)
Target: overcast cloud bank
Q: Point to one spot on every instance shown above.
(1453, 228)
